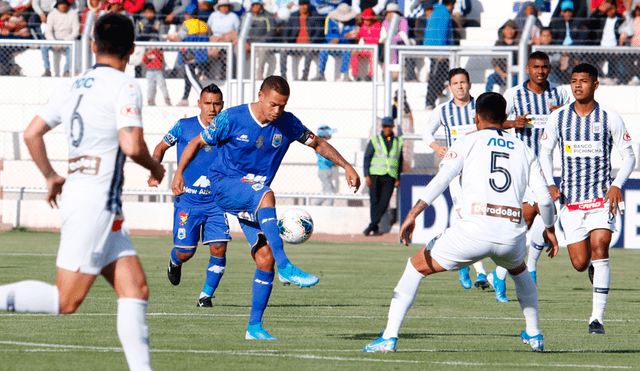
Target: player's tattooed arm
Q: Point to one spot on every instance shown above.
(327, 151)
(406, 230)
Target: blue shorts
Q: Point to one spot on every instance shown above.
(238, 197)
(192, 223)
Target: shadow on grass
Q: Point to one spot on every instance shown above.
(416, 336)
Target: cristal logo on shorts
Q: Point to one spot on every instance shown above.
(594, 203)
(88, 165)
(514, 214)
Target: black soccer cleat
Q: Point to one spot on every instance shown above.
(174, 272)
(596, 327)
(205, 302)
(590, 273)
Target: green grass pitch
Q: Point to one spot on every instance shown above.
(324, 327)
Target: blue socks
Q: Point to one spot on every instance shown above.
(214, 274)
(268, 222)
(262, 285)
(174, 257)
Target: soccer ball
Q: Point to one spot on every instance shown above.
(295, 226)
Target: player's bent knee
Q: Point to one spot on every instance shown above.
(580, 265)
(264, 259)
(218, 250)
(69, 305)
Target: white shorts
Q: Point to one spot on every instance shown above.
(88, 242)
(529, 197)
(455, 250)
(578, 224)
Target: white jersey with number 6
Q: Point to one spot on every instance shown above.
(496, 169)
(93, 107)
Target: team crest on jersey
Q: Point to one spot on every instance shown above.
(450, 155)
(183, 217)
(208, 149)
(626, 137)
(596, 127)
(277, 140)
(260, 142)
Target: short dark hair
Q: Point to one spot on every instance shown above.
(546, 29)
(540, 56)
(586, 68)
(211, 88)
(458, 71)
(491, 107)
(114, 35)
(448, 2)
(277, 83)
(148, 6)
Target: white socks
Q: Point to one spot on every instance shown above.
(528, 298)
(536, 243)
(134, 333)
(403, 296)
(501, 272)
(30, 297)
(601, 284)
(479, 267)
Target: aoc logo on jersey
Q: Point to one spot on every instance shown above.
(499, 142)
(277, 140)
(450, 155)
(130, 110)
(183, 217)
(626, 136)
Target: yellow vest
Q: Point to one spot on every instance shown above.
(384, 162)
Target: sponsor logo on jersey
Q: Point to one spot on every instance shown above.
(260, 142)
(170, 139)
(257, 186)
(182, 233)
(544, 135)
(594, 203)
(450, 155)
(626, 137)
(86, 82)
(462, 130)
(584, 148)
(88, 165)
(246, 216)
(277, 140)
(243, 138)
(514, 214)
(207, 149)
(183, 217)
(202, 182)
(131, 110)
(499, 142)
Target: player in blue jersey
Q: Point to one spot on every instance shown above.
(457, 118)
(586, 132)
(195, 213)
(252, 139)
(529, 106)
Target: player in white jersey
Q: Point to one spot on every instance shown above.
(585, 132)
(100, 111)
(491, 224)
(457, 117)
(528, 107)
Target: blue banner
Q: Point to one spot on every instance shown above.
(436, 218)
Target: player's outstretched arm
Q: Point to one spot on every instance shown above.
(327, 151)
(190, 152)
(133, 145)
(158, 155)
(406, 230)
(34, 139)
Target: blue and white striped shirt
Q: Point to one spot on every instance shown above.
(456, 121)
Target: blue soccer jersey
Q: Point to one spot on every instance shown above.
(196, 183)
(249, 149)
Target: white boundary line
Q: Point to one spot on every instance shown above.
(26, 254)
(319, 317)
(42, 347)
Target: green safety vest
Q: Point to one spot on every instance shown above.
(384, 162)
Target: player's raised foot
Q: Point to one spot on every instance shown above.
(536, 341)
(292, 274)
(257, 332)
(381, 345)
(481, 281)
(205, 302)
(534, 276)
(595, 327)
(590, 273)
(499, 286)
(465, 280)
(174, 272)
